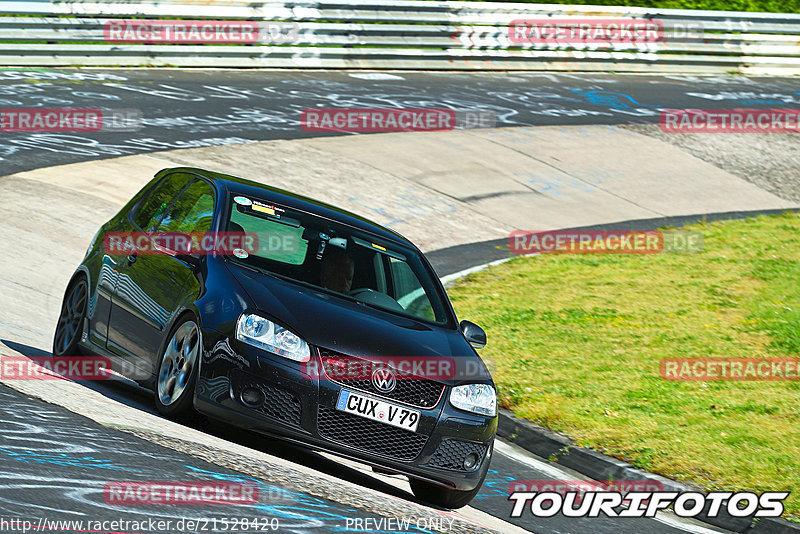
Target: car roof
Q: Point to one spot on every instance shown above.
(244, 187)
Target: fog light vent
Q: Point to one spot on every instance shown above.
(253, 397)
(458, 455)
(470, 461)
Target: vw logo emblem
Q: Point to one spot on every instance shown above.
(384, 380)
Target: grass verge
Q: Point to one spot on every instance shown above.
(575, 344)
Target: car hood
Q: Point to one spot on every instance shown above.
(351, 328)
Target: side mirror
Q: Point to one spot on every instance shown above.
(474, 334)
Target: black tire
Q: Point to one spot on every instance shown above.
(443, 497)
(177, 369)
(70, 321)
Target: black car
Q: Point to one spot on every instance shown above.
(322, 332)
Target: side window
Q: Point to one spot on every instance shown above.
(408, 291)
(158, 201)
(192, 212)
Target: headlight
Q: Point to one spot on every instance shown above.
(476, 398)
(259, 332)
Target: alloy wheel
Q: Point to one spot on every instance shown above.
(177, 363)
(69, 322)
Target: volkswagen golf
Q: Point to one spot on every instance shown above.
(296, 319)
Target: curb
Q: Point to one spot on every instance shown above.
(563, 451)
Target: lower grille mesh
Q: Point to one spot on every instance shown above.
(361, 433)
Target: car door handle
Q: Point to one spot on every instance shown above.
(131, 259)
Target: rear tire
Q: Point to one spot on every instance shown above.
(177, 370)
(69, 329)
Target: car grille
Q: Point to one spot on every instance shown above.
(278, 403)
(411, 390)
(371, 436)
(451, 453)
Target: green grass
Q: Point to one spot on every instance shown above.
(575, 344)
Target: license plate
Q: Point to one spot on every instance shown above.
(378, 410)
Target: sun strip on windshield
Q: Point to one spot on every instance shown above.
(262, 210)
(379, 248)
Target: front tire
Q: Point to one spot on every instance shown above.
(70, 322)
(177, 370)
(444, 497)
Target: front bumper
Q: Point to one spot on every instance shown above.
(300, 407)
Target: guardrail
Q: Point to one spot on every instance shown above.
(401, 34)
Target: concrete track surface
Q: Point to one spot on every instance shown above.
(440, 189)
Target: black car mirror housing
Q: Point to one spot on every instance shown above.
(474, 334)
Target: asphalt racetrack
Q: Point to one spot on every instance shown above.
(182, 109)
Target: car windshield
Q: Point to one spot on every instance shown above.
(318, 252)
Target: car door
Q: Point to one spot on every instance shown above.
(143, 208)
(151, 288)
